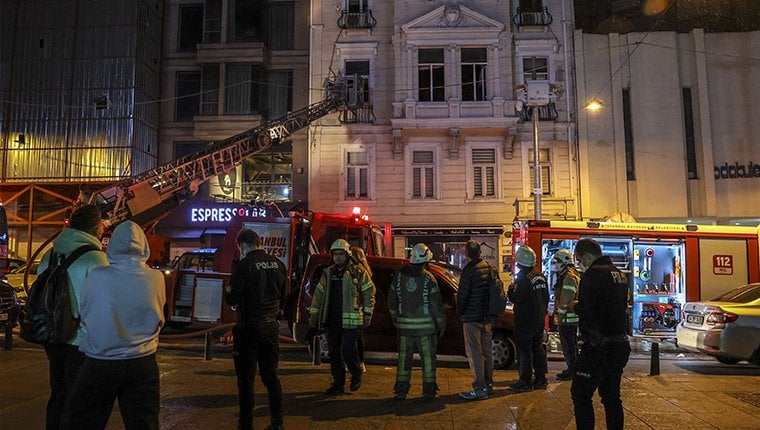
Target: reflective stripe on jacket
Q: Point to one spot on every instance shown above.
(569, 280)
(358, 298)
(415, 303)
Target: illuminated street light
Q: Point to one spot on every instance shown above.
(594, 105)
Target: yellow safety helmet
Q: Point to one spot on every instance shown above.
(341, 245)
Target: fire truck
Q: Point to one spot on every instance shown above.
(195, 289)
(667, 264)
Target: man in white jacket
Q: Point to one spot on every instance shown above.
(85, 229)
(122, 310)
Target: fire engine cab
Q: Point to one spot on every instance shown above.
(666, 264)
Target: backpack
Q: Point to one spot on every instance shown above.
(48, 317)
(497, 295)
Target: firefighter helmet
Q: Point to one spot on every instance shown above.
(420, 254)
(564, 257)
(525, 256)
(341, 245)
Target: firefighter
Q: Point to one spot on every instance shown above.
(530, 295)
(342, 305)
(565, 291)
(415, 304)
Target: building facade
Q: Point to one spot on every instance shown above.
(442, 147)
(674, 141)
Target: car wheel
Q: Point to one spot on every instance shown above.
(503, 350)
(324, 352)
(727, 360)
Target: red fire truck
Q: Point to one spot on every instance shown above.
(667, 264)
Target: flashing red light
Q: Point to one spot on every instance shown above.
(365, 217)
(356, 210)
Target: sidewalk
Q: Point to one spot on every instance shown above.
(691, 393)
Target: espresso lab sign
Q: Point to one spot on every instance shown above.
(737, 171)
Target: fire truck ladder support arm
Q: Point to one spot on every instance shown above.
(148, 196)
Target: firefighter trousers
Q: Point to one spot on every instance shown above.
(426, 347)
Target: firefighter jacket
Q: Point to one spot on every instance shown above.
(472, 296)
(565, 291)
(257, 286)
(415, 304)
(602, 302)
(358, 298)
(530, 295)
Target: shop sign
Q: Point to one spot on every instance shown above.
(206, 214)
(466, 231)
(723, 264)
(737, 171)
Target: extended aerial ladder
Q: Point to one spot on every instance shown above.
(146, 197)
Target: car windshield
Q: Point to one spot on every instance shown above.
(450, 271)
(743, 294)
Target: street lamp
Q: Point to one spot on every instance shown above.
(534, 95)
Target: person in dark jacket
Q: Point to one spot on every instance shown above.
(256, 290)
(416, 306)
(472, 305)
(530, 295)
(603, 322)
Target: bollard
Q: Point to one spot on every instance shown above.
(207, 346)
(8, 337)
(654, 364)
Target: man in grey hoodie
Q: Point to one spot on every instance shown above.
(85, 228)
(122, 311)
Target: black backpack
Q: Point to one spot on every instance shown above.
(497, 296)
(48, 317)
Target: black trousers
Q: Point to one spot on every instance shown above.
(257, 344)
(531, 356)
(65, 361)
(600, 368)
(568, 337)
(344, 353)
(134, 382)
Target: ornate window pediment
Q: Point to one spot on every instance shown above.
(439, 24)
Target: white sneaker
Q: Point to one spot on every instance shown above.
(364, 368)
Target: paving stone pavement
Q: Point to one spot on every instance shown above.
(692, 392)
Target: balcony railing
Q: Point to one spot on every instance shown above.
(532, 18)
(545, 113)
(358, 115)
(354, 20)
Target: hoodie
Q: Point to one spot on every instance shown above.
(69, 240)
(122, 305)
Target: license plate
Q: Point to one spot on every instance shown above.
(3, 317)
(695, 319)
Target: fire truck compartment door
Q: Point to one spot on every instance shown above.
(723, 266)
(207, 302)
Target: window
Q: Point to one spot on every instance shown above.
(483, 172)
(432, 87)
(531, 5)
(360, 69)
(244, 24)
(423, 172)
(358, 171)
(188, 99)
(210, 90)
(242, 96)
(474, 62)
(280, 93)
(212, 32)
(182, 149)
(545, 166)
(535, 69)
(353, 6)
(190, 27)
(688, 121)
(630, 169)
(281, 32)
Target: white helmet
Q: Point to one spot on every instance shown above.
(564, 257)
(525, 256)
(341, 245)
(420, 254)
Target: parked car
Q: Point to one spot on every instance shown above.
(726, 327)
(9, 305)
(16, 278)
(381, 333)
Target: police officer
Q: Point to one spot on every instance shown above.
(415, 304)
(603, 323)
(530, 296)
(256, 290)
(343, 303)
(565, 291)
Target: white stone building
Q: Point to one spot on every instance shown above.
(438, 149)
